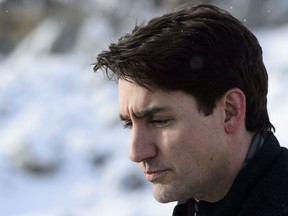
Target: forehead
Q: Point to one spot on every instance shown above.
(134, 98)
(131, 94)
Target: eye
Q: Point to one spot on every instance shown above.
(160, 122)
(127, 124)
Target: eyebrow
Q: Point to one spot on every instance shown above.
(144, 113)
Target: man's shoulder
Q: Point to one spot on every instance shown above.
(284, 154)
(274, 181)
(270, 194)
(278, 172)
(277, 176)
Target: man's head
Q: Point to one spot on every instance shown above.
(201, 50)
(192, 88)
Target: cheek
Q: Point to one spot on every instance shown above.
(188, 142)
(178, 146)
(197, 145)
(212, 147)
(170, 146)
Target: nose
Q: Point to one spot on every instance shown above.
(143, 145)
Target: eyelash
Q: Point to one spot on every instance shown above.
(159, 122)
(128, 124)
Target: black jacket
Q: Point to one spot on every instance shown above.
(260, 189)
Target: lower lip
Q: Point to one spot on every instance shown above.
(154, 176)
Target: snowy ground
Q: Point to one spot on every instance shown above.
(57, 114)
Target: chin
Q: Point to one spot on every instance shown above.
(164, 195)
(163, 200)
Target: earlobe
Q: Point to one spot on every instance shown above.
(235, 109)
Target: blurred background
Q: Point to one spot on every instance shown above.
(62, 150)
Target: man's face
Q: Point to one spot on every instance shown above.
(182, 152)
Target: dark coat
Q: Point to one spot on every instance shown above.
(260, 189)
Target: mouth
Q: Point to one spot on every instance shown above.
(156, 175)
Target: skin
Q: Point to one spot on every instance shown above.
(182, 152)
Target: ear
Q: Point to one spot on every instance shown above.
(235, 110)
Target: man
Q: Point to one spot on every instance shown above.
(193, 91)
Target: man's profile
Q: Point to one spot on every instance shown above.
(193, 91)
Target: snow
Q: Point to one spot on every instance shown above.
(274, 44)
(62, 150)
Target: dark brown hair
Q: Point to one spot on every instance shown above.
(201, 50)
